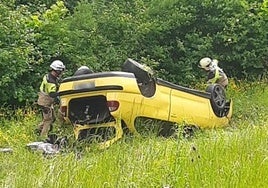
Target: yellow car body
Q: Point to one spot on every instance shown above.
(110, 99)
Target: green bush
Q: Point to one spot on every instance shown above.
(170, 36)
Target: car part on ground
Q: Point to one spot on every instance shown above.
(50, 146)
(108, 100)
(6, 150)
(45, 148)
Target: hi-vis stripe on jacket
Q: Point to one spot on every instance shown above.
(47, 87)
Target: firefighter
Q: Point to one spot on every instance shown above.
(215, 73)
(83, 70)
(48, 96)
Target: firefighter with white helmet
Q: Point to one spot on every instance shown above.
(57, 65)
(48, 95)
(83, 70)
(215, 73)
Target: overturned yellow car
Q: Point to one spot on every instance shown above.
(104, 102)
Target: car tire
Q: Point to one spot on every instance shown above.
(145, 79)
(217, 99)
(139, 70)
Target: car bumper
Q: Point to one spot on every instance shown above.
(115, 124)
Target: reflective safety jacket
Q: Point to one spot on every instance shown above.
(50, 85)
(216, 75)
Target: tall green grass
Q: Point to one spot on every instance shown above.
(234, 156)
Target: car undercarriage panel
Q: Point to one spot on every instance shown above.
(89, 110)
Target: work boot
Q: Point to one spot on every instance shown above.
(52, 138)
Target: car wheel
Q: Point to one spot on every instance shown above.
(218, 98)
(143, 75)
(141, 72)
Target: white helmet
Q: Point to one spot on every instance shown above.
(57, 65)
(215, 62)
(205, 63)
(83, 67)
(83, 70)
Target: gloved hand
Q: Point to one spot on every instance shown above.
(57, 100)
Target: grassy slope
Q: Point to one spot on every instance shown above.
(235, 156)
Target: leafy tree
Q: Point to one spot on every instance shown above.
(106, 33)
(37, 5)
(170, 36)
(185, 31)
(27, 44)
(14, 49)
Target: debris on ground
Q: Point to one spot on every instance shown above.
(6, 150)
(46, 148)
(52, 145)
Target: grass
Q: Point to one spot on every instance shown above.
(234, 156)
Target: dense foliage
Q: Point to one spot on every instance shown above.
(170, 36)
